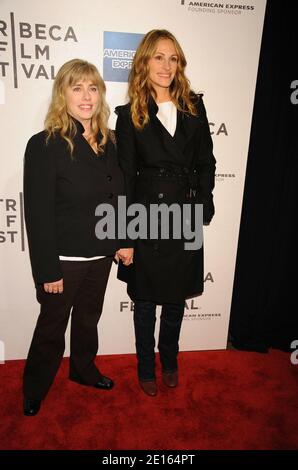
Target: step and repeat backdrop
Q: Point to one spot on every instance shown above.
(221, 42)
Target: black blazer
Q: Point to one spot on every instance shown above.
(61, 194)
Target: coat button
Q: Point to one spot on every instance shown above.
(160, 195)
(109, 178)
(110, 195)
(155, 246)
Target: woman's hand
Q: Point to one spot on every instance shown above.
(54, 287)
(126, 256)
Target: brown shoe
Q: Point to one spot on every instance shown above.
(149, 387)
(170, 379)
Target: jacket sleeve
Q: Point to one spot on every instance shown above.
(127, 155)
(127, 152)
(205, 165)
(39, 205)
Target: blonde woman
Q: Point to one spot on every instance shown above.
(165, 151)
(70, 168)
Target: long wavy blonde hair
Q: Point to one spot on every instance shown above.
(59, 121)
(140, 89)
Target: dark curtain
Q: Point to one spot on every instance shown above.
(264, 310)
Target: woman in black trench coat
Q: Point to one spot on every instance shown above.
(165, 152)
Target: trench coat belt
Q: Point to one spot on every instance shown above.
(183, 173)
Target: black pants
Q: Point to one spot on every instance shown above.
(84, 289)
(168, 343)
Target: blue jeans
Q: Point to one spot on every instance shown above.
(168, 343)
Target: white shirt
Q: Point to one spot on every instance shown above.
(167, 114)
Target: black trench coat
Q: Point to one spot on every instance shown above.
(159, 168)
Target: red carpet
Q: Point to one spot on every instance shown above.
(225, 400)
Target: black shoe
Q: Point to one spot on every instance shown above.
(104, 383)
(149, 387)
(170, 379)
(31, 407)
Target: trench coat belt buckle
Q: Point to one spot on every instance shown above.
(192, 193)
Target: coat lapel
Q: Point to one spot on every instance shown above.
(186, 127)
